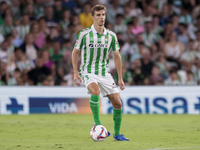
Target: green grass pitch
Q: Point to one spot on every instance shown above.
(72, 132)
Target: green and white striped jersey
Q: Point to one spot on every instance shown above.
(95, 49)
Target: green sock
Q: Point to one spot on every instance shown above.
(94, 105)
(117, 117)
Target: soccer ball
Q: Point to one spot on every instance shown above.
(98, 133)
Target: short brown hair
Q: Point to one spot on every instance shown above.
(97, 8)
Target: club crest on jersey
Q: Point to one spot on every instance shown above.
(91, 45)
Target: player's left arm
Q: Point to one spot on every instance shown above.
(118, 64)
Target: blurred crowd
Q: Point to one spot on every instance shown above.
(159, 40)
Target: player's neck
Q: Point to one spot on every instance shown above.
(99, 29)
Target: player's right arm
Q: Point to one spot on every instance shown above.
(75, 55)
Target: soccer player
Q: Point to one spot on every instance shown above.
(95, 43)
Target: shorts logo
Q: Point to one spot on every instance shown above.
(91, 45)
(85, 78)
(114, 85)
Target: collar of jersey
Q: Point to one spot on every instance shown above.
(94, 31)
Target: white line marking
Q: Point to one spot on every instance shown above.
(172, 148)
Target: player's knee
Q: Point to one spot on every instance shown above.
(118, 105)
(95, 92)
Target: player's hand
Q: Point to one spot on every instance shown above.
(77, 78)
(121, 84)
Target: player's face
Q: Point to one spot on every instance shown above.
(99, 17)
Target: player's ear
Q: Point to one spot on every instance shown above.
(92, 18)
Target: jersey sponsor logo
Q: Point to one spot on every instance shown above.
(91, 45)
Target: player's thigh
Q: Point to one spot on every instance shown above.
(107, 85)
(91, 82)
(94, 88)
(115, 100)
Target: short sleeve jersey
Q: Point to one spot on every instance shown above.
(95, 49)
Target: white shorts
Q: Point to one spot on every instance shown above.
(106, 84)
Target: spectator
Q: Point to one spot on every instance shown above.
(4, 76)
(183, 35)
(86, 16)
(190, 55)
(138, 45)
(127, 77)
(173, 50)
(71, 33)
(47, 62)
(127, 16)
(173, 79)
(196, 70)
(7, 12)
(155, 76)
(146, 16)
(46, 80)
(4, 50)
(58, 9)
(11, 63)
(138, 77)
(190, 79)
(119, 26)
(55, 36)
(39, 69)
(23, 64)
(38, 8)
(39, 37)
(149, 36)
(16, 76)
(69, 78)
(76, 23)
(185, 17)
(56, 53)
(193, 28)
(10, 40)
(63, 83)
(65, 65)
(147, 64)
(15, 7)
(164, 15)
(17, 41)
(67, 46)
(24, 28)
(7, 27)
(175, 22)
(65, 20)
(29, 10)
(153, 6)
(162, 65)
(71, 5)
(156, 28)
(29, 48)
(195, 12)
(134, 10)
(3, 6)
(136, 28)
(113, 11)
(128, 36)
(49, 16)
(43, 27)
